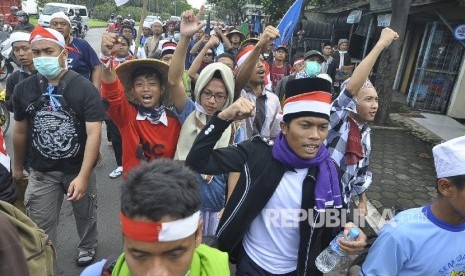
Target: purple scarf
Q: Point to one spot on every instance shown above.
(327, 191)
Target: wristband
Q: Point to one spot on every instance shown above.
(106, 61)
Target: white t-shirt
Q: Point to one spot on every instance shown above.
(140, 52)
(272, 240)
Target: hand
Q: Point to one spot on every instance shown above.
(268, 36)
(189, 22)
(108, 42)
(353, 247)
(387, 37)
(362, 207)
(240, 109)
(18, 174)
(77, 189)
(205, 38)
(213, 41)
(217, 30)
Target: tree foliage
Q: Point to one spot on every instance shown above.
(274, 10)
(102, 9)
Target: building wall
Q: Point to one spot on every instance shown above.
(457, 101)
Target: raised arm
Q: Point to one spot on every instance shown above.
(360, 74)
(203, 158)
(198, 44)
(227, 44)
(108, 74)
(198, 59)
(244, 71)
(189, 26)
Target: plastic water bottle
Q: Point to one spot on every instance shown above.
(333, 254)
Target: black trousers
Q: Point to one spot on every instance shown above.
(247, 267)
(115, 138)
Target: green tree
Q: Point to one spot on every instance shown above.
(390, 59)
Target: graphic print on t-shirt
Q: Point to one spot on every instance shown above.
(54, 134)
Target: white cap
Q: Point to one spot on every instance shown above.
(19, 36)
(60, 15)
(156, 21)
(449, 158)
(147, 25)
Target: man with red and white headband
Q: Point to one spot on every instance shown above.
(60, 113)
(162, 228)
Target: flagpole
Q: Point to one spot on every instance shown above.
(141, 25)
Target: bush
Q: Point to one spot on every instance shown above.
(104, 11)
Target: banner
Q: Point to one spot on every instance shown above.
(384, 20)
(354, 17)
(287, 25)
(121, 2)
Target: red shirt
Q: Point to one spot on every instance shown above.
(277, 73)
(141, 139)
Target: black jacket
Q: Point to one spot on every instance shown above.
(334, 65)
(260, 176)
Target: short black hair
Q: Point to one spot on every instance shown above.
(226, 55)
(126, 39)
(158, 189)
(457, 180)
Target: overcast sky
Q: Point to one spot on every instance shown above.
(196, 3)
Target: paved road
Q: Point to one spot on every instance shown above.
(110, 240)
(403, 176)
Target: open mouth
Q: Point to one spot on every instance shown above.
(311, 148)
(261, 72)
(147, 98)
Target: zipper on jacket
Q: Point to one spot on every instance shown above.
(241, 201)
(309, 242)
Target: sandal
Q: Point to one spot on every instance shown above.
(85, 257)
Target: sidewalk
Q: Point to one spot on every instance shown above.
(401, 160)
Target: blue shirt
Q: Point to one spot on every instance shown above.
(416, 242)
(84, 61)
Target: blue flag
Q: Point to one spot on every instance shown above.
(258, 23)
(287, 25)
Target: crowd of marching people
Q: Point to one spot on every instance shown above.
(216, 136)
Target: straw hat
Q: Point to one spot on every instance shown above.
(230, 34)
(251, 41)
(124, 72)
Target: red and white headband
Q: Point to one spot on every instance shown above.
(315, 102)
(41, 33)
(147, 231)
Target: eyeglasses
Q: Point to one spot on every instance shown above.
(218, 97)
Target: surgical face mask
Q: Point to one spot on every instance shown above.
(49, 67)
(177, 37)
(312, 68)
